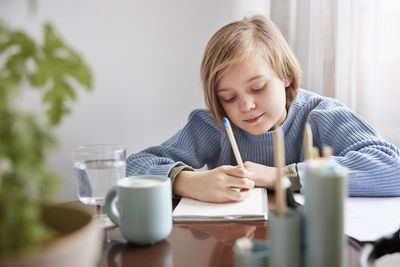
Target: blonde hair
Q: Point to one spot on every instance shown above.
(237, 41)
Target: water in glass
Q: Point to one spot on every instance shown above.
(96, 177)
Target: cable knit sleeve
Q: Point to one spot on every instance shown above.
(373, 163)
(194, 145)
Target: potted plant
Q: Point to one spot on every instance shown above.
(27, 184)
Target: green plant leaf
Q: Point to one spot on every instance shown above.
(58, 64)
(24, 137)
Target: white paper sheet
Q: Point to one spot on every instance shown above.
(255, 207)
(369, 218)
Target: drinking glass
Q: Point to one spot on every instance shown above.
(97, 168)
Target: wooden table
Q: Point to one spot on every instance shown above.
(191, 244)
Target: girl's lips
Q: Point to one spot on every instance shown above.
(254, 119)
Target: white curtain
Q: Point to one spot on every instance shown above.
(348, 50)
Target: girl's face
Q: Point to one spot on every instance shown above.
(253, 96)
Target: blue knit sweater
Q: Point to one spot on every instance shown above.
(373, 163)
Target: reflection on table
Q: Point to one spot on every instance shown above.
(191, 244)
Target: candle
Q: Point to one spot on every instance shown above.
(284, 239)
(325, 191)
(284, 224)
(254, 254)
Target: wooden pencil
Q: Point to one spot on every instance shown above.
(232, 140)
(315, 153)
(279, 158)
(308, 143)
(327, 151)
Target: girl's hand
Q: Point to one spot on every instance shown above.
(264, 176)
(217, 185)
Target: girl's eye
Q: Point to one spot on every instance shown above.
(258, 90)
(230, 100)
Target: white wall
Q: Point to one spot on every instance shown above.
(145, 56)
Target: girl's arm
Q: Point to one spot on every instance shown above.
(373, 163)
(193, 146)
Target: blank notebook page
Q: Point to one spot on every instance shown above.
(255, 207)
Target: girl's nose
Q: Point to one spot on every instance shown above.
(247, 103)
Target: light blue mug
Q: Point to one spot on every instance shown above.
(144, 212)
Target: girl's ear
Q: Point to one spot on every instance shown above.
(287, 83)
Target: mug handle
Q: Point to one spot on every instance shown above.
(111, 205)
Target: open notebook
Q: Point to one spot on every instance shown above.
(253, 208)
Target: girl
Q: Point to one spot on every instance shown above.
(250, 75)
